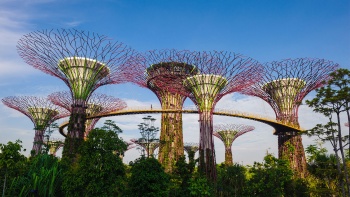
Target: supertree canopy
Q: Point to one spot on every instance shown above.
(162, 71)
(97, 104)
(220, 73)
(284, 86)
(148, 146)
(40, 111)
(84, 61)
(228, 133)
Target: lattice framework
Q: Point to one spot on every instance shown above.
(40, 111)
(228, 133)
(284, 86)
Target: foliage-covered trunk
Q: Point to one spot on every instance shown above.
(171, 146)
(75, 136)
(38, 142)
(228, 156)
(290, 148)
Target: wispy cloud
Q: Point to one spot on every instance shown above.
(72, 23)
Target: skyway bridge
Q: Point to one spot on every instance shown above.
(278, 126)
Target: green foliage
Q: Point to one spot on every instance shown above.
(48, 132)
(200, 186)
(44, 178)
(110, 125)
(323, 167)
(269, 178)
(332, 100)
(99, 170)
(182, 173)
(148, 178)
(231, 180)
(12, 162)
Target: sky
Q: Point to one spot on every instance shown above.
(264, 30)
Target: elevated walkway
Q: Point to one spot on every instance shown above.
(278, 126)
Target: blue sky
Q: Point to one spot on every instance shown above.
(263, 30)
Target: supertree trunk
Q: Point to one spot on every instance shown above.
(38, 141)
(76, 128)
(171, 138)
(207, 157)
(228, 156)
(290, 147)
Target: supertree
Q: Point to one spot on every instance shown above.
(220, 73)
(284, 86)
(54, 144)
(130, 145)
(84, 61)
(161, 71)
(228, 133)
(40, 111)
(97, 104)
(191, 148)
(147, 146)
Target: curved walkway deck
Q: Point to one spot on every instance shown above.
(223, 112)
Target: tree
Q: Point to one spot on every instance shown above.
(323, 167)
(110, 125)
(231, 180)
(182, 174)
(148, 178)
(332, 100)
(99, 170)
(269, 178)
(12, 162)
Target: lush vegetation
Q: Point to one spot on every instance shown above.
(99, 170)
